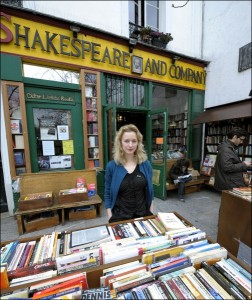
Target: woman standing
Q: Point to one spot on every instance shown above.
(128, 178)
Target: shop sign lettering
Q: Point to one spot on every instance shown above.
(74, 47)
(35, 96)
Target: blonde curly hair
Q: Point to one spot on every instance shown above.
(118, 153)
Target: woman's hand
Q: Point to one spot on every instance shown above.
(109, 213)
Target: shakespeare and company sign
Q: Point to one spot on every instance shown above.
(34, 40)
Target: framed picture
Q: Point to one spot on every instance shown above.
(136, 64)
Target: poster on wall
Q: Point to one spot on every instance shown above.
(48, 148)
(48, 133)
(44, 162)
(66, 161)
(63, 132)
(68, 147)
(55, 162)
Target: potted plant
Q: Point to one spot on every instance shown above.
(161, 39)
(145, 33)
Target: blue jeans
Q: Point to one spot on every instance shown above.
(181, 186)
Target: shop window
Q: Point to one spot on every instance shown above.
(52, 74)
(115, 90)
(53, 129)
(125, 92)
(136, 93)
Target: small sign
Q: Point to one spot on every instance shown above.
(245, 61)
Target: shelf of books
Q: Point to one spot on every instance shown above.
(177, 131)
(215, 134)
(158, 257)
(92, 119)
(16, 127)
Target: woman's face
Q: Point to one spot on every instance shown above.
(129, 142)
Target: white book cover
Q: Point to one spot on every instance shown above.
(63, 132)
(19, 141)
(170, 221)
(208, 255)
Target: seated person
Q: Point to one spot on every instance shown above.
(179, 175)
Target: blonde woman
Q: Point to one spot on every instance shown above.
(128, 178)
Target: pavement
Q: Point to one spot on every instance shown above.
(200, 208)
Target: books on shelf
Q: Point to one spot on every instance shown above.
(16, 126)
(19, 141)
(19, 158)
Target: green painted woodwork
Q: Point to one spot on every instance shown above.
(11, 67)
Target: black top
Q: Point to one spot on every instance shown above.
(131, 201)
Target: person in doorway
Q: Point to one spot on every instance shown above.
(128, 178)
(179, 175)
(228, 166)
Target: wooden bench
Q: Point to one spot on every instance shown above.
(191, 186)
(31, 183)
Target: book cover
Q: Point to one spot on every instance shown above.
(32, 278)
(19, 158)
(19, 141)
(16, 126)
(32, 270)
(199, 286)
(16, 294)
(152, 257)
(87, 236)
(170, 221)
(196, 294)
(97, 294)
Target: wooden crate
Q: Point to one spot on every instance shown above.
(81, 215)
(70, 198)
(38, 200)
(42, 223)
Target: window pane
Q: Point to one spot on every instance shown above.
(115, 90)
(136, 93)
(153, 3)
(52, 74)
(152, 17)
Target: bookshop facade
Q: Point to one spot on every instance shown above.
(66, 89)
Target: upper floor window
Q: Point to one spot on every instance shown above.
(17, 3)
(144, 13)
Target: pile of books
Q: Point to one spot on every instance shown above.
(245, 192)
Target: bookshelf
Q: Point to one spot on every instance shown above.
(92, 119)
(215, 133)
(94, 273)
(177, 131)
(16, 128)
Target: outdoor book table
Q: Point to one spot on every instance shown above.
(20, 215)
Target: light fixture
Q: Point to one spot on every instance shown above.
(156, 122)
(75, 30)
(174, 59)
(159, 141)
(132, 44)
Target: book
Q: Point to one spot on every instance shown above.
(89, 236)
(16, 126)
(152, 257)
(227, 285)
(4, 281)
(32, 278)
(243, 190)
(97, 294)
(170, 221)
(19, 141)
(206, 284)
(32, 270)
(81, 280)
(194, 291)
(19, 158)
(216, 254)
(215, 284)
(54, 281)
(16, 294)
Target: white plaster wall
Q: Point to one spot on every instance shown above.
(109, 16)
(227, 27)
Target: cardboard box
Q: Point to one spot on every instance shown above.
(41, 223)
(35, 201)
(80, 215)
